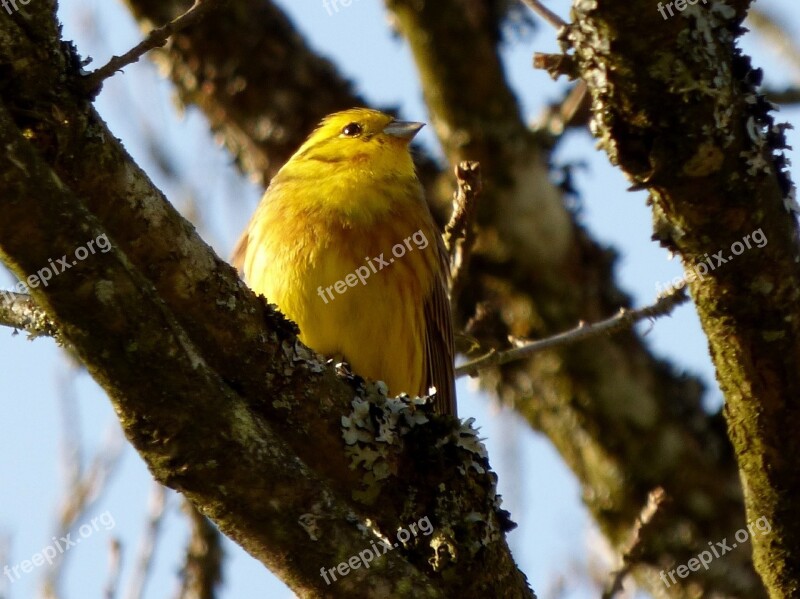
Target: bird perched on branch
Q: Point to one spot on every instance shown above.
(345, 245)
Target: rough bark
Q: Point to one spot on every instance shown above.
(687, 122)
(624, 421)
(252, 74)
(226, 413)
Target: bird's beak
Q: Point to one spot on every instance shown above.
(403, 129)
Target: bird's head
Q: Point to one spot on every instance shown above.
(361, 139)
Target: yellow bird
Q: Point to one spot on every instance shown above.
(345, 245)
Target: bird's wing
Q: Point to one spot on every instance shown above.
(439, 344)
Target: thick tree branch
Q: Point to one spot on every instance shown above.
(721, 199)
(234, 371)
(611, 408)
(166, 395)
(520, 264)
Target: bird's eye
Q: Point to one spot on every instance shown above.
(352, 130)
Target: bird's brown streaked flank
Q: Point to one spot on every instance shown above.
(344, 220)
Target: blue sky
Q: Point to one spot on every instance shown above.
(42, 390)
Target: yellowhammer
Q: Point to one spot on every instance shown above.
(344, 243)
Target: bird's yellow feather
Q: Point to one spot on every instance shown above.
(349, 199)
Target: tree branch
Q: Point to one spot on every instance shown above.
(548, 15)
(202, 570)
(204, 417)
(629, 555)
(253, 75)
(459, 234)
(789, 95)
(624, 320)
(718, 180)
(19, 311)
(534, 273)
(156, 38)
(144, 558)
(121, 330)
(774, 33)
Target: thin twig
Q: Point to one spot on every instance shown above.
(147, 545)
(19, 311)
(156, 38)
(114, 569)
(547, 14)
(623, 320)
(202, 571)
(557, 118)
(459, 234)
(654, 501)
(774, 33)
(80, 495)
(789, 95)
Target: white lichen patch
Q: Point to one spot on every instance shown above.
(466, 437)
(140, 195)
(229, 303)
(309, 523)
(706, 41)
(200, 258)
(104, 291)
(298, 354)
(373, 432)
(585, 5)
(790, 201)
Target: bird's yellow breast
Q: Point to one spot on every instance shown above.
(353, 280)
